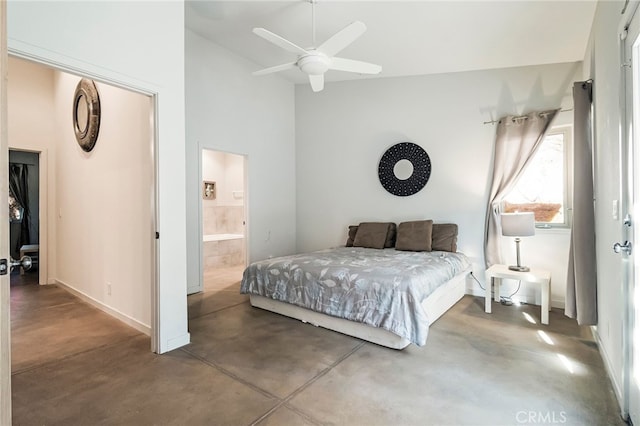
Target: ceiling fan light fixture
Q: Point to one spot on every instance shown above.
(315, 64)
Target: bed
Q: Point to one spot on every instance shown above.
(385, 295)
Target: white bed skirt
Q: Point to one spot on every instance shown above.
(439, 302)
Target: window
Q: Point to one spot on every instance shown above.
(543, 187)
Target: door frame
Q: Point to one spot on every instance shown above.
(630, 195)
(5, 316)
(153, 196)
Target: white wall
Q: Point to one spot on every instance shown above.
(227, 171)
(31, 127)
(141, 45)
(104, 203)
(230, 110)
(343, 131)
(602, 63)
(233, 193)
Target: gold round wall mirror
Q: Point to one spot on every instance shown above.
(86, 114)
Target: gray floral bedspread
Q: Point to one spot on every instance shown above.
(382, 288)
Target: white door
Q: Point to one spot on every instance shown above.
(631, 197)
(5, 330)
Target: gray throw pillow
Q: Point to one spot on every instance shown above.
(444, 237)
(352, 235)
(371, 235)
(391, 236)
(414, 236)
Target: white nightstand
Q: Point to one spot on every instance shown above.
(536, 276)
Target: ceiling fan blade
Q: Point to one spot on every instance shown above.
(317, 82)
(341, 64)
(279, 41)
(342, 38)
(277, 68)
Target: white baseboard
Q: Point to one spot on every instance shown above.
(193, 289)
(175, 343)
(131, 322)
(617, 388)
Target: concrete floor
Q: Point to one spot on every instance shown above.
(74, 365)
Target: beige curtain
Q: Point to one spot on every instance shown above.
(517, 138)
(580, 300)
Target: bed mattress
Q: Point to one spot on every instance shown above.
(381, 288)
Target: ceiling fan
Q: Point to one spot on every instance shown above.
(315, 61)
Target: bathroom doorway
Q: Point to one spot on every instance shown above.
(24, 213)
(224, 251)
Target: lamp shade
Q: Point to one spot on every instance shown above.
(518, 224)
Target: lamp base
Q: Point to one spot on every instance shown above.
(519, 268)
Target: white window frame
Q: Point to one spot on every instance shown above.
(567, 132)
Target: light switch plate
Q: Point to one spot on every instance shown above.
(614, 210)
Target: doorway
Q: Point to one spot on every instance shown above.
(223, 225)
(223, 219)
(102, 203)
(24, 213)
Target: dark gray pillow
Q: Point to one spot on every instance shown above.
(352, 235)
(371, 235)
(444, 237)
(414, 236)
(391, 236)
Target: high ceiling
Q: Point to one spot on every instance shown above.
(404, 37)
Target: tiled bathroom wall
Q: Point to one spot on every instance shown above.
(223, 219)
(223, 253)
(226, 252)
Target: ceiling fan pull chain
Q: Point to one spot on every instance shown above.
(313, 22)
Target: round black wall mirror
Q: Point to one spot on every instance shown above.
(404, 169)
(86, 114)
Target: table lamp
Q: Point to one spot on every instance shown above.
(518, 225)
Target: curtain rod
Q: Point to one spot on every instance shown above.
(524, 116)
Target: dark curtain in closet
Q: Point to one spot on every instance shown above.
(19, 189)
